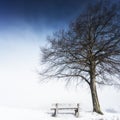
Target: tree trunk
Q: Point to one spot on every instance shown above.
(95, 101)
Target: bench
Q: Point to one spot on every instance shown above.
(59, 107)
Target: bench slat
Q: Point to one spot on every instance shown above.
(62, 108)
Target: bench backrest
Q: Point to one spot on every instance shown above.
(65, 105)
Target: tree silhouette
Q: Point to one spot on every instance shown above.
(88, 51)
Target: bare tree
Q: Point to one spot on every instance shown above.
(88, 51)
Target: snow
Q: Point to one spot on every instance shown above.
(9, 113)
(38, 108)
(34, 102)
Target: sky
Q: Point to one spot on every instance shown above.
(24, 26)
(39, 12)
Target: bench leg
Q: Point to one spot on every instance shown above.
(77, 111)
(56, 111)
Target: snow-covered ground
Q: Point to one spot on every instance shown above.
(38, 108)
(8, 113)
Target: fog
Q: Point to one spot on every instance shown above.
(20, 84)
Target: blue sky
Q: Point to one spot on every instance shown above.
(39, 12)
(24, 26)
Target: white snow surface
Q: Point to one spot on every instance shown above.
(9, 113)
(38, 108)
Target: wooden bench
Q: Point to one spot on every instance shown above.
(58, 107)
